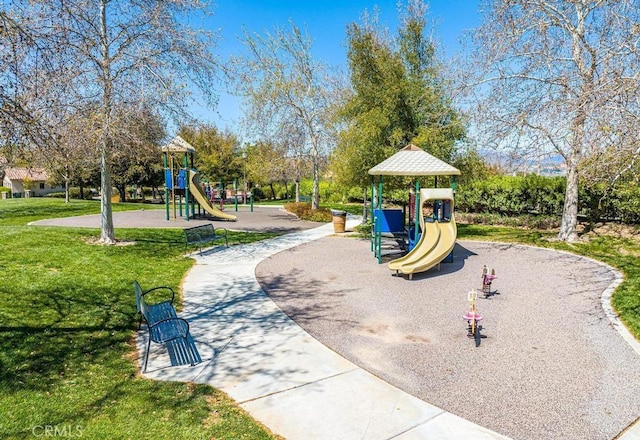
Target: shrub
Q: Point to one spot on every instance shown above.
(304, 212)
(74, 193)
(513, 195)
(524, 221)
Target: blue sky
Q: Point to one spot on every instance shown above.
(325, 21)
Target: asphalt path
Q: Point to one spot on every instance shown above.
(260, 219)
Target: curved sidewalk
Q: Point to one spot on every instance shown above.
(282, 376)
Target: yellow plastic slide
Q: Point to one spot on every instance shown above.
(426, 261)
(196, 190)
(429, 251)
(428, 239)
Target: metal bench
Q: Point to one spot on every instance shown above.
(165, 327)
(205, 234)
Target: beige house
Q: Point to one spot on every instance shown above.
(28, 182)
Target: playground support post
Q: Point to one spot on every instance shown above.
(186, 187)
(235, 192)
(376, 206)
(417, 212)
(244, 177)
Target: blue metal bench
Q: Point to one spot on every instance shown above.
(205, 234)
(165, 327)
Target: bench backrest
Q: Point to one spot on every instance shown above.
(198, 232)
(139, 296)
(140, 302)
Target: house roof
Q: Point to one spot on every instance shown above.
(34, 174)
(179, 145)
(413, 161)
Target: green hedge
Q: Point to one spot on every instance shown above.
(304, 212)
(74, 193)
(522, 195)
(622, 203)
(513, 195)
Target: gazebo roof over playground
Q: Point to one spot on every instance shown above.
(178, 145)
(413, 161)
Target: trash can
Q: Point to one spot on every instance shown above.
(339, 220)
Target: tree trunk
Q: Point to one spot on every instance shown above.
(315, 199)
(273, 191)
(297, 190)
(107, 234)
(122, 192)
(66, 189)
(568, 230)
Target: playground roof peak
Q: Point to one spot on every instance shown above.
(413, 161)
(178, 145)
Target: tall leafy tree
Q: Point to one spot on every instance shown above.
(397, 96)
(218, 153)
(559, 78)
(118, 54)
(268, 164)
(287, 93)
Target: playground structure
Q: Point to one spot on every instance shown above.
(430, 241)
(182, 180)
(437, 235)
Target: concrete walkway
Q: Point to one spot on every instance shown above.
(282, 376)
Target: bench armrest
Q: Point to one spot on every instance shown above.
(222, 232)
(173, 294)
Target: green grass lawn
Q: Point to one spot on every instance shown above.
(67, 323)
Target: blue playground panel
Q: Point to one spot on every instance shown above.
(168, 178)
(182, 179)
(390, 220)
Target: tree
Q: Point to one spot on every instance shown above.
(287, 93)
(35, 93)
(137, 159)
(398, 96)
(267, 164)
(119, 54)
(218, 156)
(68, 156)
(558, 78)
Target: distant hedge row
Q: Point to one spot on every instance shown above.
(519, 195)
(513, 195)
(621, 203)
